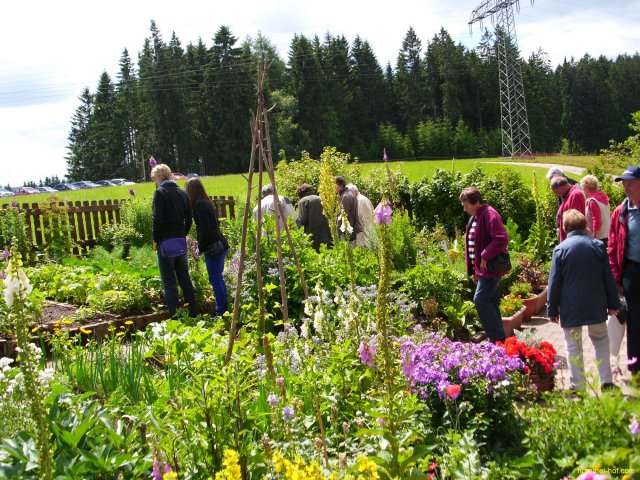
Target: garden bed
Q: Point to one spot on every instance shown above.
(63, 316)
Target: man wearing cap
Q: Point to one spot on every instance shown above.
(624, 258)
(571, 198)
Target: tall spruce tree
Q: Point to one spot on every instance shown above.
(127, 108)
(410, 82)
(81, 148)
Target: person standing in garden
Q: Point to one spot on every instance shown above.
(624, 258)
(582, 292)
(311, 217)
(597, 210)
(268, 205)
(485, 239)
(365, 216)
(171, 220)
(211, 243)
(349, 205)
(570, 196)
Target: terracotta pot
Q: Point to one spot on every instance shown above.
(511, 323)
(540, 384)
(542, 299)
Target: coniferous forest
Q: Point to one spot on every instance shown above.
(190, 106)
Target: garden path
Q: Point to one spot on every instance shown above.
(551, 332)
(564, 168)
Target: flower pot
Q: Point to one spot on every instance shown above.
(537, 384)
(514, 321)
(542, 299)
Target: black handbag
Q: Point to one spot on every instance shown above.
(218, 247)
(501, 263)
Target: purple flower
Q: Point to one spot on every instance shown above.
(632, 361)
(14, 203)
(2, 275)
(152, 162)
(384, 155)
(273, 400)
(5, 254)
(159, 469)
(280, 382)
(367, 353)
(382, 214)
(382, 422)
(132, 192)
(634, 428)
(287, 414)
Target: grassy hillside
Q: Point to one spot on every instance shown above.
(236, 185)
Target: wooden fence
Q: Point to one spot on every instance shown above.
(84, 219)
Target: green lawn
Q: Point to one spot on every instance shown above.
(236, 185)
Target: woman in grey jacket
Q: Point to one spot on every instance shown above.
(582, 292)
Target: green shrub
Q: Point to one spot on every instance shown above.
(135, 213)
(120, 235)
(436, 201)
(13, 224)
(291, 173)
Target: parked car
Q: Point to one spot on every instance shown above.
(105, 183)
(192, 175)
(5, 193)
(65, 186)
(46, 190)
(24, 191)
(179, 176)
(122, 181)
(84, 184)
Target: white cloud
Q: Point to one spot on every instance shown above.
(57, 48)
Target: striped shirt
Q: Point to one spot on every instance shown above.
(471, 241)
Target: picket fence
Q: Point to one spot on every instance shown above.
(86, 218)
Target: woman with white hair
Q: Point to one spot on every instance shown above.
(597, 210)
(365, 216)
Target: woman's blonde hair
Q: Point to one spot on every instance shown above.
(161, 172)
(589, 182)
(573, 220)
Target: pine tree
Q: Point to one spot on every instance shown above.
(127, 107)
(80, 145)
(410, 82)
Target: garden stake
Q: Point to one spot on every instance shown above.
(322, 433)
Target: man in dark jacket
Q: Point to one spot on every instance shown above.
(171, 217)
(485, 238)
(582, 292)
(350, 206)
(311, 216)
(624, 258)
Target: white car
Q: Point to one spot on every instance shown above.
(5, 193)
(122, 181)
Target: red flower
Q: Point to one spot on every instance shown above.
(453, 391)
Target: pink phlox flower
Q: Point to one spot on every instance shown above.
(634, 428)
(632, 361)
(382, 214)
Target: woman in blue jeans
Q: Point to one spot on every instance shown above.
(208, 230)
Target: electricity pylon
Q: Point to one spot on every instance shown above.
(516, 140)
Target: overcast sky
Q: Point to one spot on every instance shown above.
(52, 50)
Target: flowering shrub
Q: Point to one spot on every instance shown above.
(479, 368)
(539, 360)
(476, 378)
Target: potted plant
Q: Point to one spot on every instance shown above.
(511, 310)
(539, 360)
(535, 274)
(529, 299)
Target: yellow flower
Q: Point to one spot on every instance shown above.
(85, 331)
(129, 322)
(170, 476)
(231, 462)
(367, 467)
(67, 322)
(34, 329)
